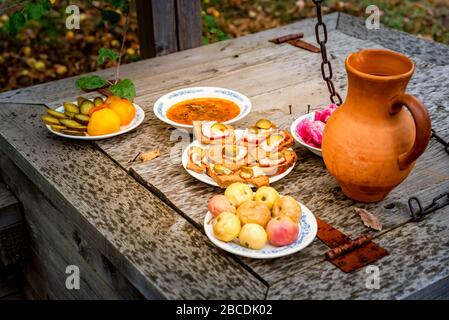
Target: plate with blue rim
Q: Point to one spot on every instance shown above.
(164, 103)
(307, 232)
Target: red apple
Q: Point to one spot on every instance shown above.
(218, 204)
(282, 231)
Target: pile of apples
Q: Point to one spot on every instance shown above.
(255, 218)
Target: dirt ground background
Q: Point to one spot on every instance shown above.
(44, 50)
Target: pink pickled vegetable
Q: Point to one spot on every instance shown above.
(311, 132)
(324, 115)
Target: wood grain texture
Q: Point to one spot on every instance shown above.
(13, 242)
(145, 28)
(157, 250)
(188, 23)
(419, 257)
(157, 27)
(50, 233)
(426, 50)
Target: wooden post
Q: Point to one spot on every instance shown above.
(189, 23)
(167, 26)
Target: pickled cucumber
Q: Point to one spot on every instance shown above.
(82, 118)
(71, 124)
(56, 114)
(80, 100)
(73, 132)
(57, 127)
(264, 124)
(98, 101)
(71, 107)
(50, 120)
(70, 115)
(85, 106)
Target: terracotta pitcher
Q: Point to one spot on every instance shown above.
(371, 142)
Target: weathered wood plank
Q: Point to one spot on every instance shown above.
(157, 27)
(13, 244)
(156, 249)
(425, 50)
(9, 208)
(188, 18)
(436, 291)
(145, 28)
(64, 238)
(419, 257)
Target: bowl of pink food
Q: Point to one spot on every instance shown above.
(308, 129)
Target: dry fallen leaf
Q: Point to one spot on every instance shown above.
(369, 219)
(150, 155)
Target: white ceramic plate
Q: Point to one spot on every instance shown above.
(203, 177)
(298, 139)
(165, 102)
(138, 118)
(307, 232)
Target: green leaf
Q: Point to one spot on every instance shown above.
(34, 11)
(111, 16)
(90, 83)
(124, 89)
(104, 54)
(16, 22)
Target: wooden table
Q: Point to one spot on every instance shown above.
(135, 230)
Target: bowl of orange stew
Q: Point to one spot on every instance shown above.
(181, 107)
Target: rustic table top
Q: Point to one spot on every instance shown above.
(147, 217)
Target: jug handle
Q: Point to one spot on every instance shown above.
(422, 125)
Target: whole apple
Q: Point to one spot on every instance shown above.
(253, 236)
(288, 207)
(226, 226)
(282, 231)
(238, 192)
(218, 204)
(267, 195)
(254, 212)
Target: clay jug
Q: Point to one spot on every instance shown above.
(371, 142)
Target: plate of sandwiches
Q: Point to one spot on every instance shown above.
(222, 155)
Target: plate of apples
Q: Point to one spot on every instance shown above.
(258, 225)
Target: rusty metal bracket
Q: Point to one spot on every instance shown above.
(346, 254)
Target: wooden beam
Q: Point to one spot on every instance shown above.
(188, 23)
(156, 27)
(13, 244)
(166, 26)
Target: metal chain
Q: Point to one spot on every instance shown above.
(417, 211)
(326, 67)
